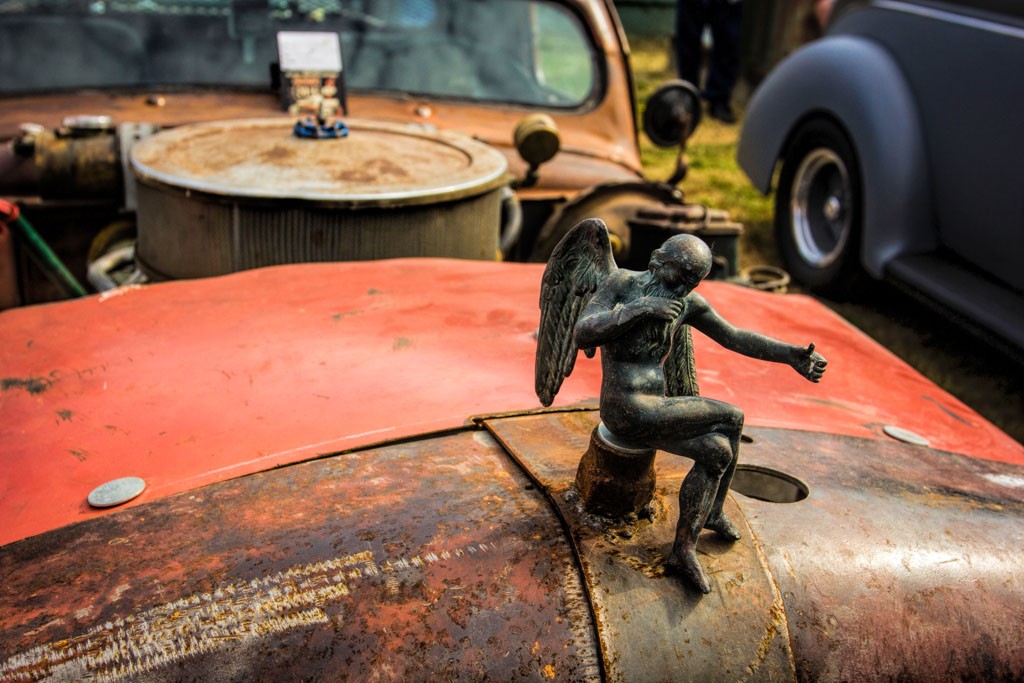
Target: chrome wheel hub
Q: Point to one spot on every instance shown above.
(820, 207)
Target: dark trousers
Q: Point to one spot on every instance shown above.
(724, 18)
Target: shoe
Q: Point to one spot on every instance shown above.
(721, 111)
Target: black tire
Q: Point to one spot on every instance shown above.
(818, 209)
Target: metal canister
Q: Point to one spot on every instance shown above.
(221, 197)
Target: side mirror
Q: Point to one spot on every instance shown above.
(537, 140)
(672, 114)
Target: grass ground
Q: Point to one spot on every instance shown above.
(714, 178)
(969, 368)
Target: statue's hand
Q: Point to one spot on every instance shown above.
(809, 364)
(656, 307)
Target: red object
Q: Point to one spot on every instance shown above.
(191, 382)
(8, 211)
(9, 296)
(8, 270)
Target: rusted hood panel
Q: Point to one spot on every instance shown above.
(191, 382)
(903, 563)
(138, 107)
(652, 626)
(425, 561)
(439, 558)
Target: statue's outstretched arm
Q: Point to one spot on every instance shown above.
(803, 359)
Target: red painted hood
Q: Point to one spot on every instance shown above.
(190, 382)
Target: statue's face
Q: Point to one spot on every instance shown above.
(673, 276)
(667, 272)
(681, 263)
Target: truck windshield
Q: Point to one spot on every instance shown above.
(531, 52)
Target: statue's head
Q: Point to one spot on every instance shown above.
(681, 262)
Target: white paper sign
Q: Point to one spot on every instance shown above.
(309, 51)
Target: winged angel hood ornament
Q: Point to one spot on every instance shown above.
(649, 393)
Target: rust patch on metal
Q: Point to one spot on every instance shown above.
(903, 563)
(651, 625)
(376, 170)
(278, 153)
(613, 483)
(423, 560)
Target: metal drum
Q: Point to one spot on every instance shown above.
(220, 197)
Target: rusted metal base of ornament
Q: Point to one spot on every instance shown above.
(615, 479)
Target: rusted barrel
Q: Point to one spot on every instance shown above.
(220, 197)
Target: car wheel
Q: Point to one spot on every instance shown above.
(818, 209)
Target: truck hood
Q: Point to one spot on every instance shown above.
(189, 383)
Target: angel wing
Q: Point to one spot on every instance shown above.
(679, 368)
(577, 267)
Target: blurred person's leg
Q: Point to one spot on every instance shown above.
(690, 18)
(725, 18)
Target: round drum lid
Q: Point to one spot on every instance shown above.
(376, 164)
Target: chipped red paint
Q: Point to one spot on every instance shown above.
(191, 382)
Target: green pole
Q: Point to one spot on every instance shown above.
(37, 246)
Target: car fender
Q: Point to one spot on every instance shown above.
(856, 83)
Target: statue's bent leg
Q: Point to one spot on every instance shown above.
(687, 420)
(717, 520)
(696, 497)
(705, 430)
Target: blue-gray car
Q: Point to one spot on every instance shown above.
(900, 135)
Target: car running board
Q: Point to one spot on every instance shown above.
(995, 310)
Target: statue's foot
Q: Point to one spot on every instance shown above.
(686, 564)
(723, 526)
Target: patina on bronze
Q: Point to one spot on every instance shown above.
(649, 393)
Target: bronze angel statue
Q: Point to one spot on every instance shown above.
(649, 396)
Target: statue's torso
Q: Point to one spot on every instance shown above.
(646, 341)
(632, 363)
